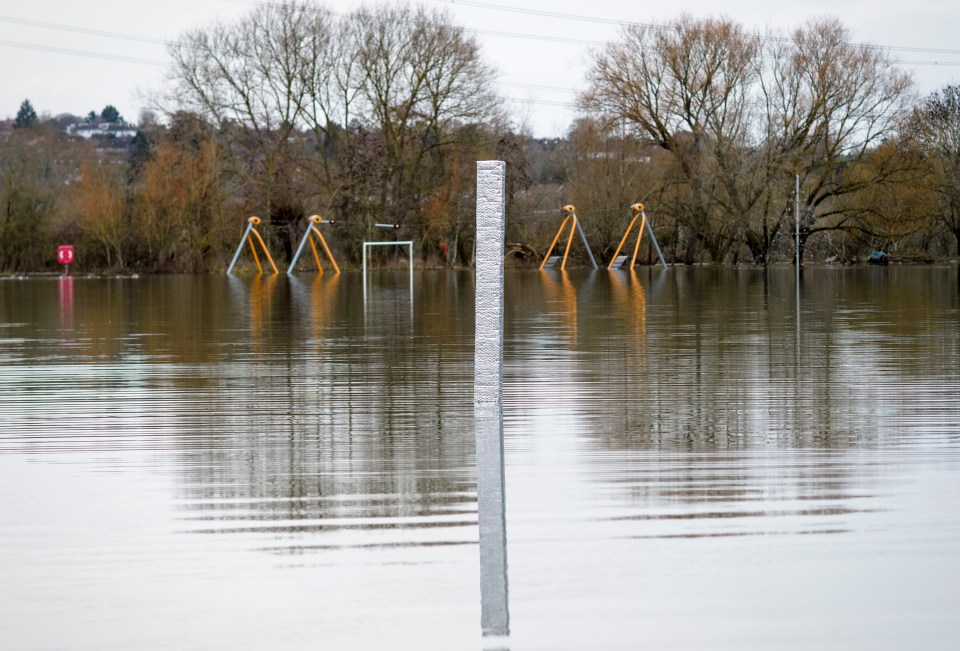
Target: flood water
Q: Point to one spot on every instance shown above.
(696, 458)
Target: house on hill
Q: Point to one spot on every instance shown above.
(102, 130)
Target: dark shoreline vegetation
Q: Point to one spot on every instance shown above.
(379, 116)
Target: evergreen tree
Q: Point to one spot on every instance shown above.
(110, 114)
(139, 154)
(26, 116)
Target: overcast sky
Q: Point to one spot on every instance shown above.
(74, 57)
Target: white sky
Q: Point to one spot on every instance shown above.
(40, 59)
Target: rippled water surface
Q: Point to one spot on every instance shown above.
(694, 459)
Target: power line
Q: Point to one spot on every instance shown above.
(533, 37)
(546, 13)
(927, 63)
(82, 53)
(542, 102)
(625, 23)
(532, 87)
(82, 30)
(553, 89)
(488, 32)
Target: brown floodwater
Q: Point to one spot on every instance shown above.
(696, 458)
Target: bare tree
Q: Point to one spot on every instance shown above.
(252, 72)
(255, 78)
(741, 115)
(608, 172)
(35, 166)
(354, 113)
(684, 86)
(935, 128)
(98, 207)
(182, 202)
(830, 103)
(424, 85)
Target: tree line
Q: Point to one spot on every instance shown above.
(379, 115)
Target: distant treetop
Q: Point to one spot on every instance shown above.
(26, 116)
(110, 114)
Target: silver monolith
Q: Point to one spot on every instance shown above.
(488, 399)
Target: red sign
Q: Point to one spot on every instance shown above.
(65, 254)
